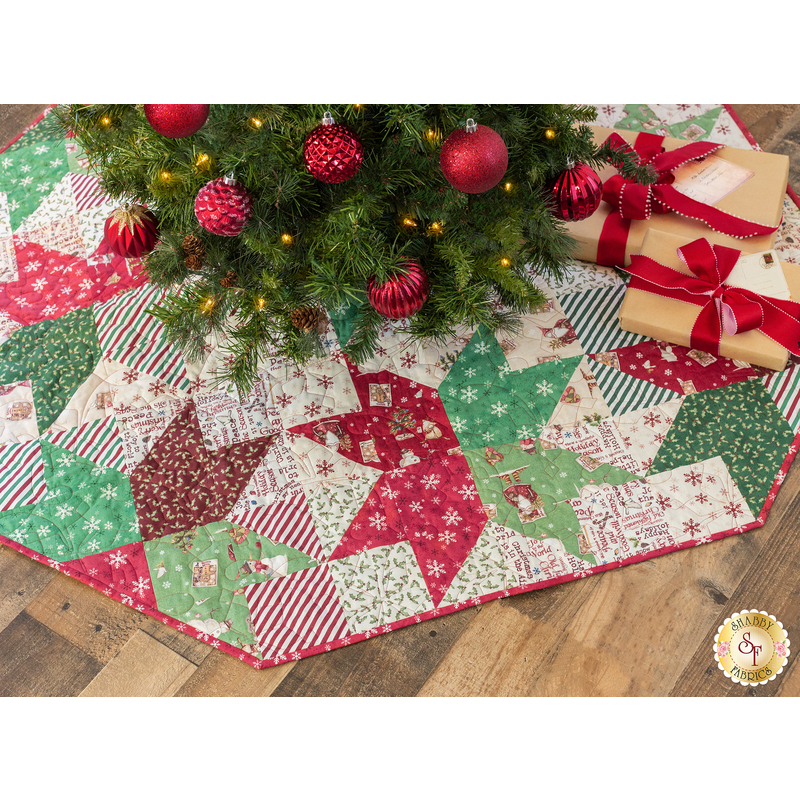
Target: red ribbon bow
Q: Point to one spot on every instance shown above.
(634, 201)
(725, 308)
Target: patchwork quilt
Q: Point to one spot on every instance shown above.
(340, 501)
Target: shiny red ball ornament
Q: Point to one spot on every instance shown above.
(576, 192)
(402, 295)
(131, 231)
(223, 206)
(332, 152)
(176, 120)
(474, 158)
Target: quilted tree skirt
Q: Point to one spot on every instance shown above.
(339, 502)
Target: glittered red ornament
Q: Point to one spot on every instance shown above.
(576, 192)
(223, 206)
(176, 120)
(474, 158)
(402, 295)
(332, 153)
(131, 231)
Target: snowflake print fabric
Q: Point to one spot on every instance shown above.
(337, 501)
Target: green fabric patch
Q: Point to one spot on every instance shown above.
(29, 173)
(343, 321)
(740, 423)
(199, 576)
(88, 509)
(643, 118)
(56, 355)
(488, 403)
(527, 491)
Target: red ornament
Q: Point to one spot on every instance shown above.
(576, 192)
(223, 206)
(402, 295)
(176, 120)
(131, 231)
(474, 158)
(333, 153)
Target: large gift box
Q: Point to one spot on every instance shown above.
(738, 192)
(679, 292)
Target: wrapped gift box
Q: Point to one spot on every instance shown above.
(672, 320)
(759, 199)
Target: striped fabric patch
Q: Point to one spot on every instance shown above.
(22, 472)
(99, 441)
(784, 389)
(288, 523)
(623, 392)
(299, 611)
(131, 336)
(593, 315)
(86, 191)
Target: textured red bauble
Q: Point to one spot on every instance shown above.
(332, 153)
(131, 231)
(176, 120)
(402, 295)
(576, 192)
(474, 158)
(223, 206)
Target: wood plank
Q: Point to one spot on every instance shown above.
(101, 626)
(21, 580)
(15, 118)
(771, 584)
(143, 668)
(222, 675)
(36, 662)
(395, 664)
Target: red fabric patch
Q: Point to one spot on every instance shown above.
(433, 505)
(180, 484)
(402, 423)
(674, 367)
(123, 569)
(52, 283)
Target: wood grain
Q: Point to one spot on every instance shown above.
(643, 630)
(143, 668)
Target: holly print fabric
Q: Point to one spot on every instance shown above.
(339, 501)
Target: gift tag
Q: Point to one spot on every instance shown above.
(709, 180)
(760, 273)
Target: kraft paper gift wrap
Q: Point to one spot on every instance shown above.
(759, 199)
(671, 320)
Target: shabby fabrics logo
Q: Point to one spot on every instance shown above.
(751, 647)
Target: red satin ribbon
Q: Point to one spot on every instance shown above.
(634, 201)
(725, 308)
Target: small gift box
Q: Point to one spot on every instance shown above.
(680, 292)
(728, 195)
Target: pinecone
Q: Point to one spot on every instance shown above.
(229, 279)
(194, 262)
(306, 318)
(194, 251)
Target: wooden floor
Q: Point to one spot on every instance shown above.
(644, 630)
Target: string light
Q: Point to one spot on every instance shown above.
(287, 239)
(550, 133)
(105, 122)
(505, 262)
(435, 228)
(208, 304)
(508, 186)
(410, 222)
(166, 175)
(260, 303)
(255, 122)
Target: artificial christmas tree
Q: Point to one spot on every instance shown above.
(316, 226)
